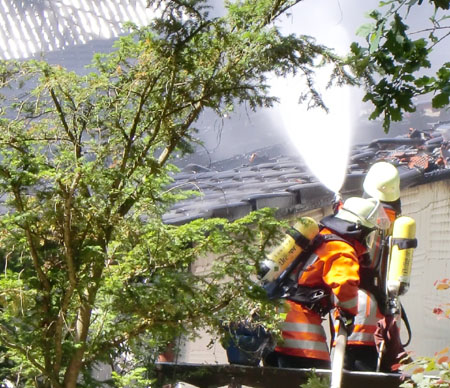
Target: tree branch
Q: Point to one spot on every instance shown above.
(34, 255)
(5, 339)
(67, 233)
(61, 115)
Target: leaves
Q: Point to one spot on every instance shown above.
(390, 63)
(315, 381)
(91, 270)
(442, 311)
(427, 372)
(442, 284)
(444, 4)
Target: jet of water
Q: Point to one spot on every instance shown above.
(322, 138)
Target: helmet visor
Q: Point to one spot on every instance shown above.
(378, 217)
(373, 216)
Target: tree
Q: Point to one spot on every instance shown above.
(90, 271)
(391, 63)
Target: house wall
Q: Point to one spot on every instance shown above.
(429, 205)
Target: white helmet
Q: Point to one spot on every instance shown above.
(382, 182)
(365, 212)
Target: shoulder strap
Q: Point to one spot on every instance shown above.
(334, 237)
(309, 257)
(278, 287)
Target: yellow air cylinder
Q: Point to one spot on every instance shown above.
(402, 247)
(297, 239)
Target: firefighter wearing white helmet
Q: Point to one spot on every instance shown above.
(361, 353)
(382, 182)
(365, 212)
(330, 274)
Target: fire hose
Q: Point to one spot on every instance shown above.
(337, 365)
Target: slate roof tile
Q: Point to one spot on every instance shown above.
(233, 210)
(228, 185)
(253, 186)
(267, 174)
(296, 177)
(353, 182)
(247, 174)
(367, 155)
(389, 142)
(271, 166)
(275, 200)
(277, 186)
(226, 175)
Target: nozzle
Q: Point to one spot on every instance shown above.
(337, 202)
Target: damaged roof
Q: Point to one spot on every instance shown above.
(276, 177)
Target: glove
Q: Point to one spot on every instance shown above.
(347, 320)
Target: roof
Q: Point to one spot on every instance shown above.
(277, 177)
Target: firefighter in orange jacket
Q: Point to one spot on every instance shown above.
(331, 271)
(382, 182)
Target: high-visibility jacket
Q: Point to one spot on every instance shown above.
(335, 266)
(391, 213)
(365, 320)
(368, 311)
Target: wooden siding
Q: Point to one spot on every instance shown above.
(429, 205)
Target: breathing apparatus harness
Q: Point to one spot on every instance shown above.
(286, 285)
(385, 273)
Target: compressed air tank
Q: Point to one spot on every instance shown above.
(403, 242)
(297, 239)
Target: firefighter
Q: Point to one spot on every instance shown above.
(329, 278)
(382, 182)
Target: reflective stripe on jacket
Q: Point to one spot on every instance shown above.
(368, 312)
(336, 268)
(365, 321)
(303, 334)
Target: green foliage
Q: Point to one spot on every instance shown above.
(390, 62)
(90, 273)
(428, 372)
(136, 378)
(315, 381)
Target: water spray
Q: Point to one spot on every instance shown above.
(322, 138)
